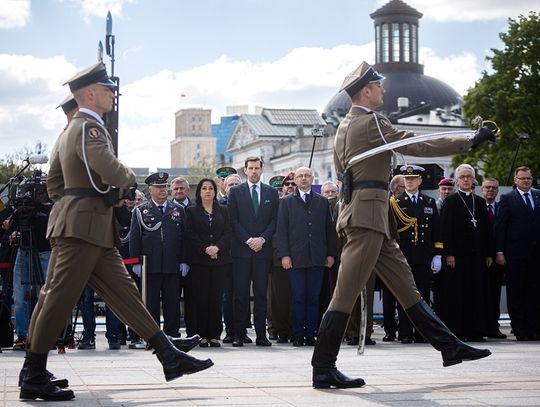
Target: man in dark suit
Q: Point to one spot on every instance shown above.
(490, 189)
(306, 244)
(253, 210)
(180, 193)
(518, 247)
(156, 231)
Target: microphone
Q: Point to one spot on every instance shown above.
(38, 159)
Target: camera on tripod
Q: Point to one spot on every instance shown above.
(28, 192)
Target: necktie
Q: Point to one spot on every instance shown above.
(255, 199)
(491, 215)
(161, 209)
(527, 200)
(413, 199)
(306, 198)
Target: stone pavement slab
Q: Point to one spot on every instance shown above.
(396, 375)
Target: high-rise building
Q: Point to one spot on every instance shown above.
(193, 145)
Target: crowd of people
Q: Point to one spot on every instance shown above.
(305, 257)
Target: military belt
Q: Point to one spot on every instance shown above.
(83, 193)
(370, 184)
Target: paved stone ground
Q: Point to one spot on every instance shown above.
(396, 375)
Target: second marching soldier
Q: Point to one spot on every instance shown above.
(156, 232)
(419, 239)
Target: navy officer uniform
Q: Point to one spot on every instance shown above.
(420, 241)
(158, 236)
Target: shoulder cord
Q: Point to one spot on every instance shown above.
(85, 160)
(406, 220)
(143, 225)
(394, 158)
(125, 239)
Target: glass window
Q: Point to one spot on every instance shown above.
(377, 43)
(414, 57)
(406, 43)
(385, 43)
(395, 42)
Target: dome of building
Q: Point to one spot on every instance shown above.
(396, 57)
(418, 88)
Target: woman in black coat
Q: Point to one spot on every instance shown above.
(208, 234)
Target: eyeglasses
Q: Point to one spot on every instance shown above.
(524, 178)
(289, 184)
(465, 177)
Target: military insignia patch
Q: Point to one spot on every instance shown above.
(93, 133)
(428, 211)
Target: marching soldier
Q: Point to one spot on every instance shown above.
(81, 228)
(419, 240)
(371, 243)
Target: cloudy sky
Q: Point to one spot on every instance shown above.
(272, 53)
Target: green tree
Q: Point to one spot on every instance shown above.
(510, 96)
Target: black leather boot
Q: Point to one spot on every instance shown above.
(325, 373)
(62, 383)
(185, 345)
(36, 384)
(175, 362)
(452, 349)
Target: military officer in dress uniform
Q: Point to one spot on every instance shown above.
(81, 229)
(370, 236)
(156, 232)
(419, 240)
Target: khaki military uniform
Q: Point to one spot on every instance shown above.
(366, 222)
(83, 236)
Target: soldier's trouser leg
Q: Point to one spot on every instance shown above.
(77, 263)
(392, 264)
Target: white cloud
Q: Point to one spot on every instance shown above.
(99, 8)
(30, 89)
(14, 13)
(459, 71)
(467, 10)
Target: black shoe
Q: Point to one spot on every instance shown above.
(89, 343)
(214, 343)
(325, 378)
(496, 335)
(522, 338)
(310, 341)
(369, 341)
(20, 343)
(114, 346)
(389, 338)
(36, 383)
(406, 340)
(247, 339)
(175, 362)
(263, 341)
(228, 339)
(354, 341)
(282, 339)
(237, 342)
(462, 352)
(61, 383)
(204, 344)
(272, 337)
(185, 345)
(298, 341)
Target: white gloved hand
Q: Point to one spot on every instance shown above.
(136, 268)
(184, 269)
(436, 264)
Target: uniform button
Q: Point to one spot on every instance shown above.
(211, 235)
(309, 235)
(309, 223)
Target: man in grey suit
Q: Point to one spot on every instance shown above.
(253, 210)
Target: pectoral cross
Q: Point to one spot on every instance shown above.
(473, 221)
